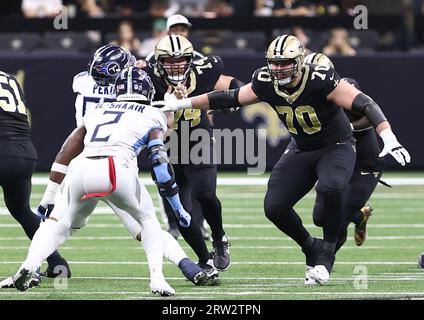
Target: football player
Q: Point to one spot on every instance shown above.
(175, 71)
(179, 24)
(96, 85)
(306, 98)
(368, 168)
(18, 158)
(110, 138)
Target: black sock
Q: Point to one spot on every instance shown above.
(358, 217)
(333, 214)
(212, 211)
(193, 236)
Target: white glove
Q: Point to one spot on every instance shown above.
(172, 105)
(392, 146)
(183, 217)
(47, 202)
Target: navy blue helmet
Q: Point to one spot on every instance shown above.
(107, 62)
(134, 84)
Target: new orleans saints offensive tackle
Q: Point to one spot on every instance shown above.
(368, 168)
(18, 158)
(306, 98)
(175, 68)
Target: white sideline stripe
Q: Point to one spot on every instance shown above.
(234, 248)
(243, 226)
(259, 181)
(224, 293)
(281, 238)
(396, 263)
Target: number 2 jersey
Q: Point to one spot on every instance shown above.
(89, 94)
(15, 133)
(313, 121)
(202, 79)
(120, 129)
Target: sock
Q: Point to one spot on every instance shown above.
(193, 236)
(358, 217)
(49, 236)
(151, 239)
(189, 268)
(212, 211)
(333, 214)
(172, 249)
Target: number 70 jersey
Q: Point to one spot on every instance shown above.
(313, 121)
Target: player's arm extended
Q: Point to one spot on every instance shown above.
(361, 124)
(72, 147)
(164, 177)
(350, 98)
(222, 99)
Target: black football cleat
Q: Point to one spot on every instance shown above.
(421, 261)
(59, 270)
(221, 254)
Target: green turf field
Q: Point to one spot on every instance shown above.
(107, 264)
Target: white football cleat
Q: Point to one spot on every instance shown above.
(7, 283)
(309, 281)
(320, 274)
(160, 286)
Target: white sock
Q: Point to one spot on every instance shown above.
(49, 236)
(151, 238)
(172, 249)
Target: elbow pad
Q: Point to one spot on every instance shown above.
(224, 99)
(236, 83)
(366, 106)
(161, 170)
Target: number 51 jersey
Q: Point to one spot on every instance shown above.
(313, 121)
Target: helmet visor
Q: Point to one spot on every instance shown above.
(175, 69)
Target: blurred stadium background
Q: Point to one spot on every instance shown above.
(387, 59)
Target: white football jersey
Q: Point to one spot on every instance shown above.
(89, 94)
(120, 129)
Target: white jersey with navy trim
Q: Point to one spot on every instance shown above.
(120, 129)
(89, 94)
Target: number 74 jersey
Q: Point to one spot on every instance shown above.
(313, 121)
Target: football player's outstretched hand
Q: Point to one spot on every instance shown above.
(183, 217)
(393, 147)
(172, 105)
(47, 202)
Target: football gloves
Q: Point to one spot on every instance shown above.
(47, 202)
(183, 218)
(393, 147)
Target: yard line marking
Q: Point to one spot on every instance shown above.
(280, 238)
(238, 262)
(255, 181)
(224, 293)
(234, 248)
